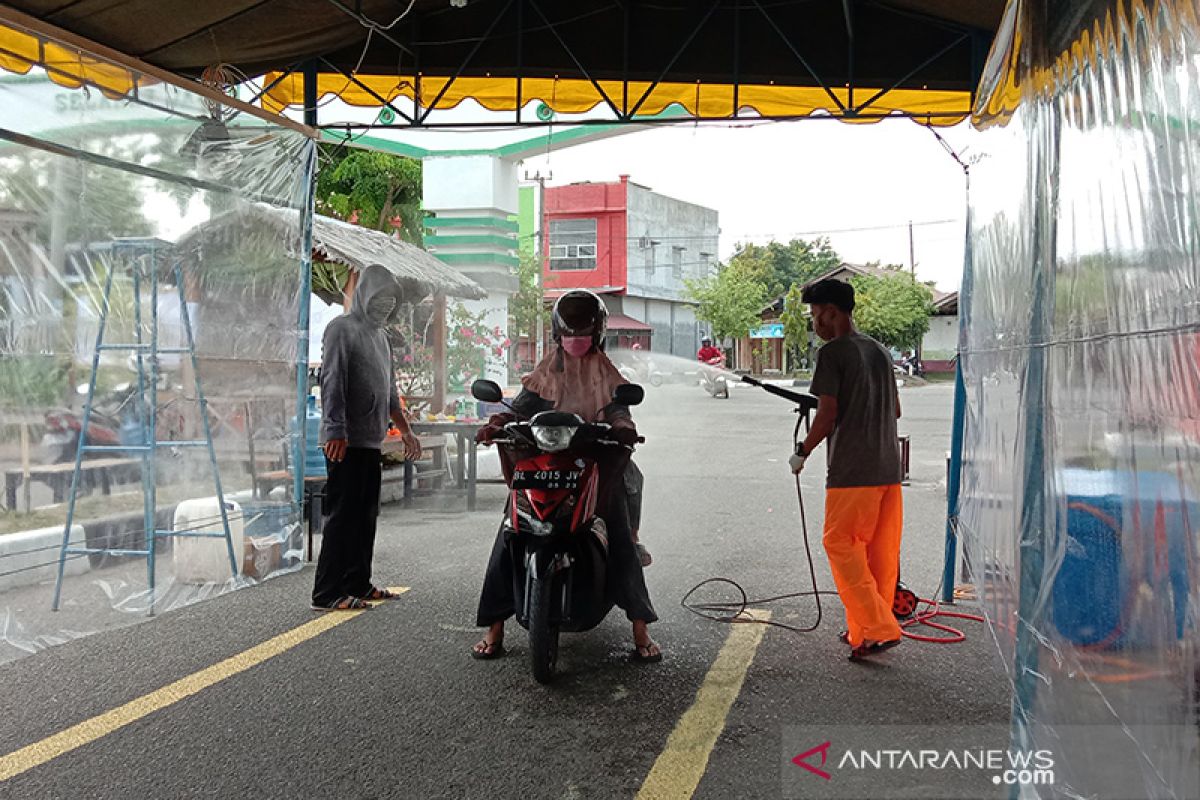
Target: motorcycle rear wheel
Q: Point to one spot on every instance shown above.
(543, 632)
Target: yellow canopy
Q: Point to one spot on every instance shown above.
(66, 66)
(70, 67)
(575, 96)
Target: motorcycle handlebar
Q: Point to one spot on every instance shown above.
(805, 401)
(597, 426)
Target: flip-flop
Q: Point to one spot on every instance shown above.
(844, 637)
(346, 603)
(380, 594)
(650, 658)
(864, 651)
(490, 651)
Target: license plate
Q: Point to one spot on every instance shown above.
(546, 478)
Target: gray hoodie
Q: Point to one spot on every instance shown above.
(358, 389)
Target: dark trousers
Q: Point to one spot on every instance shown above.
(348, 539)
(626, 580)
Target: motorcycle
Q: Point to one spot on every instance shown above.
(641, 371)
(558, 543)
(712, 377)
(109, 423)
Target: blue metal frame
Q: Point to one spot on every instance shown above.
(958, 428)
(303, 323)
(87, 415)
(148, 446)
(202, 403)
(1031, 543)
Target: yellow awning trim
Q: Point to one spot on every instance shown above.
(67, 66)
(576, 96)
(1008, 82)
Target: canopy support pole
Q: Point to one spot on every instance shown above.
(309, 73)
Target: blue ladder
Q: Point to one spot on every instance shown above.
(147, 355)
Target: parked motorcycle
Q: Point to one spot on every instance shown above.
(559, 545)
(109, 424)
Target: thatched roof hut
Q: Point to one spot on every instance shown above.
(334, 242)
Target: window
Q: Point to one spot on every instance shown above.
(572, 244)
(677, 261)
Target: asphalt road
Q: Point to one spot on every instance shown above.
(388, 703)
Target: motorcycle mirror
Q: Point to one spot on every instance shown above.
(629, 394)
(487, 391)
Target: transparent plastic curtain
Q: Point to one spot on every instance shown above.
(119, 215)
(1081, 356)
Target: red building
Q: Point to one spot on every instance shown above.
(635, 248)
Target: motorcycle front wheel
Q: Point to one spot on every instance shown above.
(543, 632)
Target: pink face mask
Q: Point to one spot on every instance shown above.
(577, 346)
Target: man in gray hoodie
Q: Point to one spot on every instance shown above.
(358, 394)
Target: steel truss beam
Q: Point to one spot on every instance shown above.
(685, 120)
(620, 108)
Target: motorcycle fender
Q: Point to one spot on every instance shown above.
(542, 563)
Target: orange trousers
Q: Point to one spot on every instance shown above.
(862, 540)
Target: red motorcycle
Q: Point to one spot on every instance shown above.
(558, 543)
(110, 412)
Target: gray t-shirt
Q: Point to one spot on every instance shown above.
(863, 449)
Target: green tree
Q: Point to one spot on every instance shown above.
(526, 306)
(372, 189)
(93, 202)
(731, 301)
(780, 266)
(796, 322)
(894, 308)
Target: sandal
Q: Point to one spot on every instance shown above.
(346, 603)
(652, 654)
(644, 555)
(488, 651)
(380, 594)
(864, 650)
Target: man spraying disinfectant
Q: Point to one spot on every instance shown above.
(857, 411)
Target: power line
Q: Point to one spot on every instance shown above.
(777, 236)
(862, 229)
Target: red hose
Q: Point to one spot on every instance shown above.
(926, 618)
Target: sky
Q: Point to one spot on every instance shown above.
(860, 185)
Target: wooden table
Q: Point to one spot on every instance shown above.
(102, 472)
(464, 435)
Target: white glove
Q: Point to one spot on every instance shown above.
(796, 462)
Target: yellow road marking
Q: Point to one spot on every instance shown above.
(681, 765)
(99, 726)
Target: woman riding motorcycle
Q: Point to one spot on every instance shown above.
(576, 377)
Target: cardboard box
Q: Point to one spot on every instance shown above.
(263, 555)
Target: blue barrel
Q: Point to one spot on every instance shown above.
(314, 456)
(1126, 533)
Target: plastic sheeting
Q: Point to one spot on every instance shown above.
(94, 192)
(1081, 357)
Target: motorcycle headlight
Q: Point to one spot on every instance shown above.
(553, 438)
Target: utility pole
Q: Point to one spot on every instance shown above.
(912, 263)
(540, 334)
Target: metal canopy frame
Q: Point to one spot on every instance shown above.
(620, 109)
